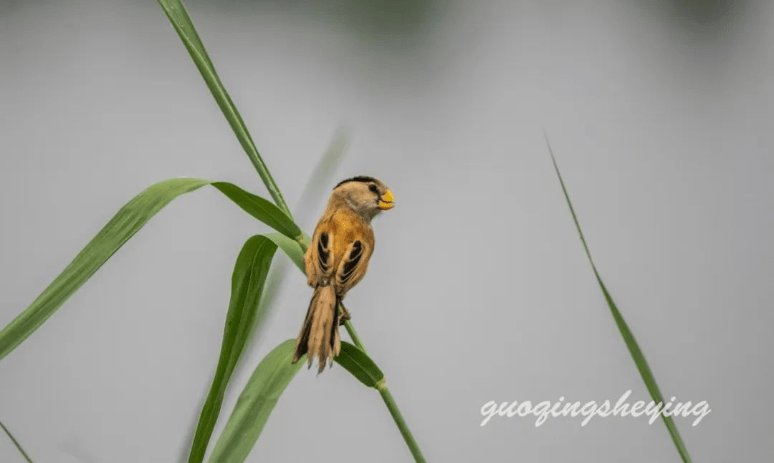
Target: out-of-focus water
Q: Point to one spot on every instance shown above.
(660, 114)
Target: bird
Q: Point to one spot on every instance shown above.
(336, 260)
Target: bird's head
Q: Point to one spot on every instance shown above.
(365, 195)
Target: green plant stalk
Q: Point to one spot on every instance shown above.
(389, 401)
(15, 442)
(353, 335)
(181, 21)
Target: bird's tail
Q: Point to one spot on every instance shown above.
(319, 336)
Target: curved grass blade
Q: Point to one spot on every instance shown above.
(15, 443)
(360, 365)
(319, 182)
(268, 296)
(262, 209)
(118, 230)
(293, 249)
(127, 221)
(247, 283)
(255, 404)
(178, 16)
(634, 349)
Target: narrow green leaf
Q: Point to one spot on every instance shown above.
(293, 249)
(262, 209)
(121, 227)
(623, 327)
(255, 404)
(359, 364)
(15, 443)
(128, 221)
(319, 186)
(178, 16)
(247, 283)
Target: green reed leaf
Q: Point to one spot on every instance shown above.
(247, 284)
(634, 349)
(127, 221)
(15, 443)
(319, 185)
(181, 22)
(255, 404)
(118, 230)
(293, 249)
(264, 389)
(262, 209)
(359, 364)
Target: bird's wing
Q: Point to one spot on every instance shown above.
(353, 266)
(318, 259)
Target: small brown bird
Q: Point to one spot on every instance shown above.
(337, 260)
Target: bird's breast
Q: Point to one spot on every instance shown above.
(348, 227)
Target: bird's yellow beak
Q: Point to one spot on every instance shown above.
(387, 201)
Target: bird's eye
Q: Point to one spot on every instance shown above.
(373, 188)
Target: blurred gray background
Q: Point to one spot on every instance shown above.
(660, 114)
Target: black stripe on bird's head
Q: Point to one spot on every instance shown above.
(359, 178)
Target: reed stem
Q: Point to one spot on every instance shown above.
(389, 401)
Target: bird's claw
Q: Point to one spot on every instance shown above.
(344, 316)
